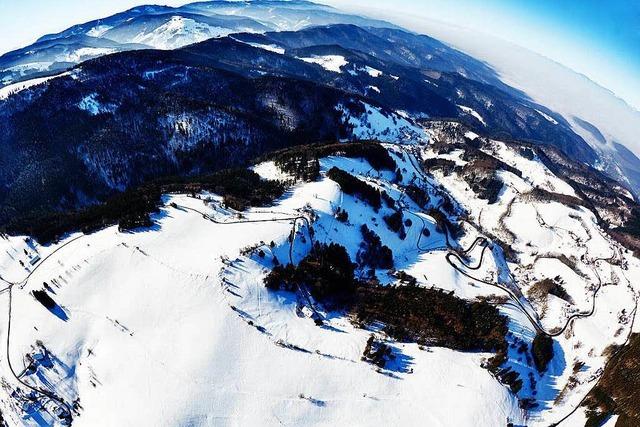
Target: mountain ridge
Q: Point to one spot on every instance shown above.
(106, 84)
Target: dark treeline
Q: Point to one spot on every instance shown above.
(377, 353)
(396, 224)
(481, 173)
(189, 120)
(373, 253)
(356, 187)
(303, 162)
(542, 351)
(445, 225)
(131, 209)
(409, 313)
(43, 298)
(618, 391)
(431, 316)
(632, 226)
(327, 272)
(549, 286)
(418, 195)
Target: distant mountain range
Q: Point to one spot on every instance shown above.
(163, 27)
(607, 123)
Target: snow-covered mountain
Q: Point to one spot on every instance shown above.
(170, 30)
(164, 27)
(172, 324)
(239, 96)
(606, 122)
(282, 214)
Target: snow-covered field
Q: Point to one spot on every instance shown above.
(172, 325)
(179, 31)
(150, 337)
(556, 240)
(332, 63)
(8, 90)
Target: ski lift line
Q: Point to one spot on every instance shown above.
(293, 219)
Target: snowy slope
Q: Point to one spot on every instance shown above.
(179, 31)
(555, 240)
(8, 90)
(144, 319)
(164, 27)
(173, 30)
(172, 325)
(553, 85)
(328, 62)
(375, 123)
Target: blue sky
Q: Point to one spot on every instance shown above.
(598, 38)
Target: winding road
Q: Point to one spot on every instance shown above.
(456, 261)
(454, 257)
(535, 322)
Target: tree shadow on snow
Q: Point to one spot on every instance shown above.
(155, 218)
(547, 387)
(400, 362)
(59, 312)
(43, 298)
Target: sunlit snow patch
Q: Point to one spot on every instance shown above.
(269, 47)
(11, 89)
(94, 107)
(474, 113)
(471, 135)
(547, 117)
(373, 72)
(270, 171)
(98, 30)
(366, 69)
(85, 53)
(382, 126)
(178, 32)
(328, 62)
(31, 66)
